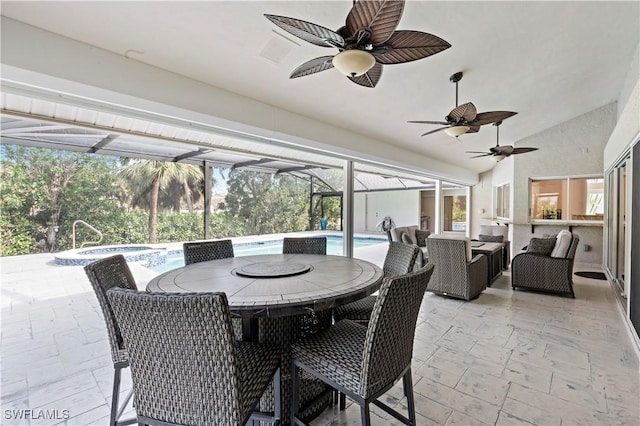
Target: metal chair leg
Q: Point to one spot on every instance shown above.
(116, 409)
(365, 415)
(407, 382)
(115, 396)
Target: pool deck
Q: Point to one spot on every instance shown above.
(505, 358)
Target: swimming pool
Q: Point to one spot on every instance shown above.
(334, 246)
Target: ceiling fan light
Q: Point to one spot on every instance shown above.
(353, 62)
(456, 131)
(498, 158)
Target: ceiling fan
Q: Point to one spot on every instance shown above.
(500, 152)
(465, 118)
(366, 42)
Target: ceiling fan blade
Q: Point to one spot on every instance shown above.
(483, 118)
(477, 152)
(307, 31)
(522, 150)
(473, 129)
(381, 17)
(466, 112)
(313, 66)
(483, 155)
(407, 46)
(443, 123)
(370, 78)
(502, 150)
(434, 131)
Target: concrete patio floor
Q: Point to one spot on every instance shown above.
(505, 358)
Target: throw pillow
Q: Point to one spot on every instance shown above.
(541, 246)
(421, 237)
(562, 244)
(406, 238)
(491, 238)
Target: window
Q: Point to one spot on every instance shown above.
(455, 213)
(571, 199)
(503, 193)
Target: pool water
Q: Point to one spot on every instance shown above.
(334, 247)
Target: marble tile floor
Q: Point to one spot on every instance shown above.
(504, 358)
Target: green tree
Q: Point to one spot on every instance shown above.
(44, 191)
(146, 178)
(266, 203)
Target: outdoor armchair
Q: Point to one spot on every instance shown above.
(457, 273)
(549, 273)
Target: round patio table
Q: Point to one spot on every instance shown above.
(274, 295)
(276, 285)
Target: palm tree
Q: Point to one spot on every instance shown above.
(146, 179)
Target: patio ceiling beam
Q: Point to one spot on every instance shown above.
(252, 163)
(19, 127)
(298, 168)
(107, 139)
(186, 155)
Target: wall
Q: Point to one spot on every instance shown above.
(481, 203)
(572, 148)
(402, 206)
(628, 125)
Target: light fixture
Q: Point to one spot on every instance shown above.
(456, 131)
(498, 158)
(353, 62)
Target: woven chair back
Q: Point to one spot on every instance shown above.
(104, 274)
(202, 251)
(388, 344)
(450, 259)
(304, 245)
(183, 356)
(400, 259)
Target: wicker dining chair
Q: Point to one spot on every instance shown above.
(401, 259)
(104, 274)
(186, 366)
(313, 321)
(365, 362)
(304, 245)
(202, 251)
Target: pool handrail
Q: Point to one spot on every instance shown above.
(73, 233)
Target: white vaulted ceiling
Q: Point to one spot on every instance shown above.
(549, 61)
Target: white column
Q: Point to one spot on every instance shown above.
(468, 213)
(347, 210)
(438, 221)
(208, 183)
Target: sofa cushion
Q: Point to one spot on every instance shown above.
(405, 238)
(491, 238)
(421, 237)
(456, 237)
(563, 242)
(542, 246)
(396, 233)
